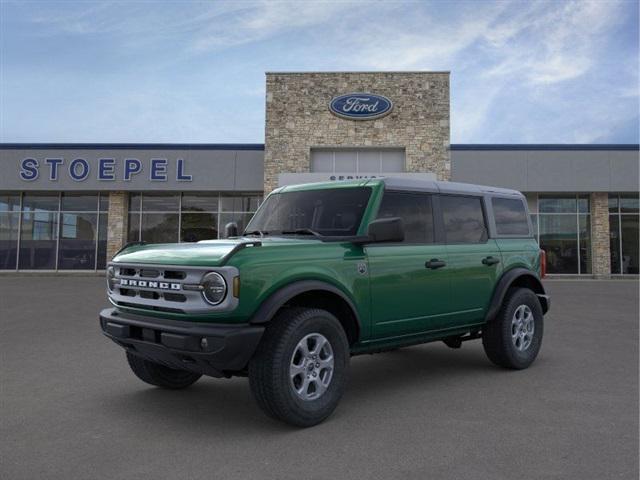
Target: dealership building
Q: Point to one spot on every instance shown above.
(70, 207)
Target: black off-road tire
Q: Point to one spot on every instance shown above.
(497, 334)
(159, 375)
(269, 375)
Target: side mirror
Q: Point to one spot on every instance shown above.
(231, 229)
(386, 230)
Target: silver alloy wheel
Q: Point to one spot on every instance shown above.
(522, 327)
(311, 367)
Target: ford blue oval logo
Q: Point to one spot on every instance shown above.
(360, 106)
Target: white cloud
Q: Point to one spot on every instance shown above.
(545, 43)
(416, 38)
(510, 61)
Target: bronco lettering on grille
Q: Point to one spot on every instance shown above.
(127, 282)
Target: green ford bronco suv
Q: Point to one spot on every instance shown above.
(326, 271)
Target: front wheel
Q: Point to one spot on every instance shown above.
(514, 337)
(299, 371)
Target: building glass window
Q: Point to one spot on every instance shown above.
(79, 229)
(101, 258)
(239, 203)
(558, 204)
(559, 238)
(9, 228)
(198, 226)
(187, 217)
(161, 202)
(200, 202)
(39, 231)
(623, 233)
(9, 202)
(584, 239)
(133, 233)
(32, 202)
(563, 229)
(79, 202)
(135, 202)
(53, 231)
(159, 227)
(77, 245)
(629, 203)
(352, 160)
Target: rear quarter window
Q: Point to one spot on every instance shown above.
(510, 216)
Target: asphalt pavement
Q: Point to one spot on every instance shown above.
(71, 409)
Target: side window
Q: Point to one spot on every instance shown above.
(463, 219)
(415, 211)
(511, 217)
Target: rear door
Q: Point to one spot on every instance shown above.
(407, 295)
(474, 259)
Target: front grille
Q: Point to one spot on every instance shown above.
(147, 273)
(174, 297)
(149, 294)
(153, 278)
(174, 275)
(162, 288)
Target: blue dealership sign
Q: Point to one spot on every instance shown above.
(360, 106)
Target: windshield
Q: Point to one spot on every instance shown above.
(327, 212)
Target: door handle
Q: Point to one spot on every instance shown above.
(490, 261)
(434, 264)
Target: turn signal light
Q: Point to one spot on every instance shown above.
(543, 263)
(236, 287)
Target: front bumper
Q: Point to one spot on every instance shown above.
(216, 350)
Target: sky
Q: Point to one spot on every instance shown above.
(193, 72)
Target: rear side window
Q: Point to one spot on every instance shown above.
(414, 210)
(463, 219)
(511, 216)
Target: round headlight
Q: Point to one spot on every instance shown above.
(214, 288)
(111, 276)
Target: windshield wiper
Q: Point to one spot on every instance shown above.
(302, 231)
(256, 232)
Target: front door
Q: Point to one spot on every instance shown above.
(410, 289)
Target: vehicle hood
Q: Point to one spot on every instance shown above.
(204, 253)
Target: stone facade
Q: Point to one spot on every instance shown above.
(117, 223)
(298, 119)
(600, 248)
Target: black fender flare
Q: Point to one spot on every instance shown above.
(506, 281)
(276, 300)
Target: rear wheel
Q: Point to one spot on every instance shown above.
(159, 375)
(299, 372)
(514, 337)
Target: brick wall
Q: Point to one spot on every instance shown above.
(117, 222)
(298, 119)
(600, 250)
